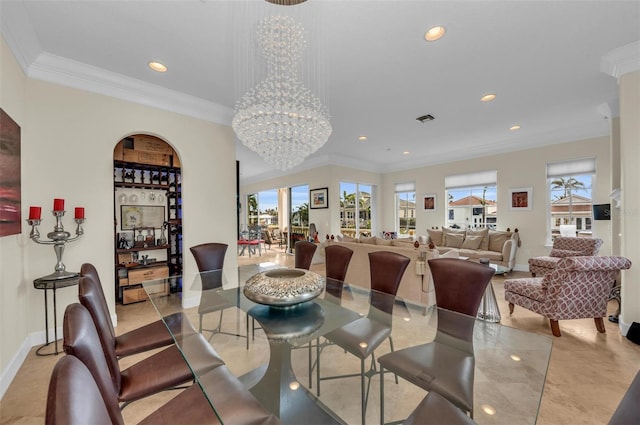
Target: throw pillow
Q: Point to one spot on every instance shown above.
(448, 231)
(454, 240)
(385, 242)
(435, 235)
(497, 239)
(471, 242)
(423, 239)
(371, 241)
(564, 253)
(484, 243)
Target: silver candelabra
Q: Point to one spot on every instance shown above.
(58, 238)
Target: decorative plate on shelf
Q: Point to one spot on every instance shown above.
(283, 287)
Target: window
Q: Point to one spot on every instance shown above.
(471, 200)
(570, 209)
(300, 209)
(405, 209)
(263, 208)
(355, 209)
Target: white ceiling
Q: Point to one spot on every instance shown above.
(541, 58)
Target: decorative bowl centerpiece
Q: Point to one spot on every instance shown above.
(283, 287)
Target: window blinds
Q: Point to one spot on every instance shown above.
(568, 168)
(480, 178)
(406, 187)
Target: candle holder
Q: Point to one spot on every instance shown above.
(58, 238)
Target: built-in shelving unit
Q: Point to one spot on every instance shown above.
(147, 175)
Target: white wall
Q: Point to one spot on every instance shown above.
(14, 310)
(68, 138)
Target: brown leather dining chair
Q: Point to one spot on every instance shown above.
(304, 251)
(75, 399)
(210, 260)
(362, 336)
(158, 372)
(445, 365)
(145, 338)
(337, 259)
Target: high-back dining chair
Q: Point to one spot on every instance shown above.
(362, 336)
(304, 251)
(336, 260)
(445, 365)
(75, 399)
(210, 260)
(145, 338)
(160, 371)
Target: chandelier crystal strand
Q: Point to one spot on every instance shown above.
(281, 119)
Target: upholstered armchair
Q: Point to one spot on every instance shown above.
(563, 247)
(577, 288)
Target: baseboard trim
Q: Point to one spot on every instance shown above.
(624, 326)
(14, 365)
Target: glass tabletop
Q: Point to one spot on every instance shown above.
(274, 351)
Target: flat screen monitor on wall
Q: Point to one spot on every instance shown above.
(602, 212)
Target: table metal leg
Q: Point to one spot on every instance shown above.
(55, 321)
(489, 310)
(46, 326)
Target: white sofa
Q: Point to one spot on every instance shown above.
(416, 281)
(498, 246)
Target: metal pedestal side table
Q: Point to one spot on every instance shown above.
(52, 282)
(489, 310)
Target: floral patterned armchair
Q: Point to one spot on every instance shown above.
(563, 247)
(577, 288)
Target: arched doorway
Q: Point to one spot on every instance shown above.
(147, 216)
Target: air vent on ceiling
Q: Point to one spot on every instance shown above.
(425, 118)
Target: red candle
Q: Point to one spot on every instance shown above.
(79, 212)
(35, 213)
(58, 204)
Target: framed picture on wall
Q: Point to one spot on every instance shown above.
(132, 216)
(520, 199)
(429, 202)
(319, 198)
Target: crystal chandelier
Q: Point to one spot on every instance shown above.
(280, 119)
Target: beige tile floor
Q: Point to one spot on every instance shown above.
(588, 372)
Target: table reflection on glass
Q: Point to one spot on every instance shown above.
(278, 365)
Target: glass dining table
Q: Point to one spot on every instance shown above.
(273, 351)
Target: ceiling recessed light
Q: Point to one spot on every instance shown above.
(157, 66)
(514, 127)
(406, 153)
(488, 97)
(434, 33)
(362, 138)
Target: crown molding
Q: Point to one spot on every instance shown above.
(623, 60)
(70, 73)
(19, 34)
